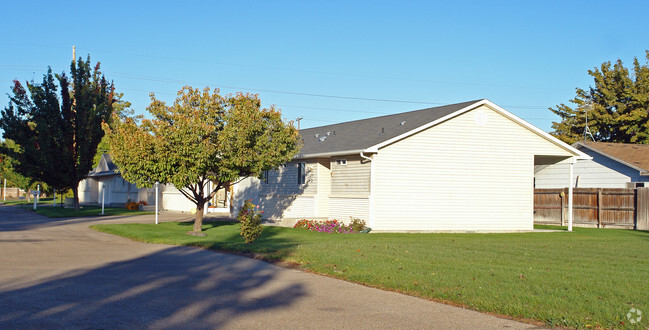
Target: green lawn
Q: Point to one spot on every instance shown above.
(587, 278)
(46, 201)
(85, 211)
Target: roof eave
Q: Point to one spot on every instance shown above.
(333, 153)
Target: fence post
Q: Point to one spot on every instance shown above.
(599, 207)
(642, 209)
(562, 194)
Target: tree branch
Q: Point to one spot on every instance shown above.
(191, 198)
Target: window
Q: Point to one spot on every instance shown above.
(266, 174)
(341, 161)
(301, 173)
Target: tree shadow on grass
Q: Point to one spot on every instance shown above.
(177, 287)
(270, 246)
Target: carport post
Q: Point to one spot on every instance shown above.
(570, 171)
(156, 202)
(103, 194)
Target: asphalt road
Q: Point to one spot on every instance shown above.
(61, 274)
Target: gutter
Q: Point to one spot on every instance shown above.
(331, 154)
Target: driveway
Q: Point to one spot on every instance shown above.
(61, 274)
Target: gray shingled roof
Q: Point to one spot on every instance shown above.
(112, 168)
(361, 134)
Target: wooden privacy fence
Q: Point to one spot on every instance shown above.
(594, 207)
(11, 192)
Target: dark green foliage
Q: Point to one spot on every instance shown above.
(617, 106)
(57, 133)
(250, 219)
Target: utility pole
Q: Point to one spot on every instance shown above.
(298, 122)
(587, 131)
(74, 53)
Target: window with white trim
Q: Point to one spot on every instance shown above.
(341, 161)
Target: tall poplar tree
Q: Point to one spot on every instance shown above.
(58, 134)
(617, 106)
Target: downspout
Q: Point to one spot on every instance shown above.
(371, 220)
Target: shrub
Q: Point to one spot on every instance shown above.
(357, 224)
(250, 219)
(132, 206)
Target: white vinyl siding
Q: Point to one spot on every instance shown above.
(280, 195)
(324, 187)
(459, 175)
(284, 180)
(344, 208)
(351, 179)
(600, 172)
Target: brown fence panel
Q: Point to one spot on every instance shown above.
(592, 207)
(618, 207)
(584, 205)
(642, 212)
(547, 206)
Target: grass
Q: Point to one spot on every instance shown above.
(46, 201)
(85, 211)
(45, 208)
(586, 278)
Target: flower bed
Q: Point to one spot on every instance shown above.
(329, 226)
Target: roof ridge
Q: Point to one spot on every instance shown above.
(396, 114)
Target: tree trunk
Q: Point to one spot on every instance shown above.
(198, 222)
(75, 191)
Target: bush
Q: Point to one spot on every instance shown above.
(132, 206)
(250, 219)
(357, 224)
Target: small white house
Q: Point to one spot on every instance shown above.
(613, 165)
(460, 167)
(104, 181)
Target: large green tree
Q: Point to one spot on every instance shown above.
(203, 137)
(8, 167)
(617, 106)
(58, 133)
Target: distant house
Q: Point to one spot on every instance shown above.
(613, 165)
(105, 180)
(461, 167)
(117, 191)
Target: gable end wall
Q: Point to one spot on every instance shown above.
(459, 175)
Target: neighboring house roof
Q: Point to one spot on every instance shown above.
(368, 135)
(635, 156)
(105, 167)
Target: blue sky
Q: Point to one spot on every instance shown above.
(525, 56)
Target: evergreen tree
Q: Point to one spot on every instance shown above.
(58, 136)
(617, 106)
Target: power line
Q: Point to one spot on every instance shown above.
(185, 82)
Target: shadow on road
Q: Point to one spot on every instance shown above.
(176, 287)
